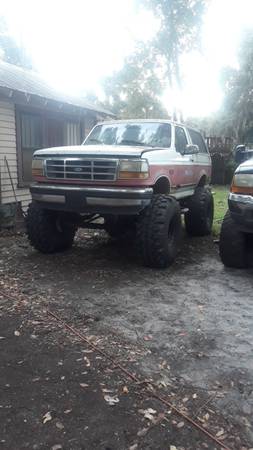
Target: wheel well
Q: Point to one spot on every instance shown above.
(162, 186)
(202, 181)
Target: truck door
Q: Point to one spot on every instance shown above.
(202, 159)
(185, 163)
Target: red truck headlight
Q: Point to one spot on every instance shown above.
(133, 169)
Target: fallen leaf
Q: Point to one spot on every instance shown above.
(111, 400)
(17, 333)
(87, 361)
(142, 432)
(59, 425)
(56, 447)
(84, 385)
(133, 447)
(47, 417)
(67, 411)
(148, 338)
(151, 411)
(185, 399)
(245, 422)
(125, 390)
(194, 396)
(180, 424)
(220, 433)
(147, 412)
(149, 416)
(172, 447)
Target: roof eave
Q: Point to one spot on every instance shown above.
(10, 93)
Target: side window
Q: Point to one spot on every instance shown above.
(197, 139)
(180, 139)
(31, 140)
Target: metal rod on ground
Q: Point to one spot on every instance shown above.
(150, 387)
(133, 377)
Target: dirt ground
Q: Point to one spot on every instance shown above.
(188, 329)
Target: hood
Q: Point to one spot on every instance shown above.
(99, 151)
(246, 166)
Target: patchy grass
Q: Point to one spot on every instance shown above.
(220, 206)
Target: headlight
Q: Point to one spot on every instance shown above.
(37, 167)
(242, 183)
(243, 180)
(133, 169)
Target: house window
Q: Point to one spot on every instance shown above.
(37, 130)
(31, 140)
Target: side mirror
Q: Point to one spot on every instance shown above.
(240, 153)
(191, 149)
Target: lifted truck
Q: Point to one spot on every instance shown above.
(137, 175)
(236, 235)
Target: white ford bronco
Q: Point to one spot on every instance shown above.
(138, 175)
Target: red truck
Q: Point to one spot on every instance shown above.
(138, 175)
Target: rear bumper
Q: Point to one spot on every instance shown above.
(100, 200)
(241, 209)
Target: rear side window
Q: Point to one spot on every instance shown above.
(198, 140)
(180, 139)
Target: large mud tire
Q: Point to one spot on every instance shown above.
(46, 231)
(159, 232)
(199, 218)
(233, 244)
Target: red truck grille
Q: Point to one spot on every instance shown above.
(81, 169)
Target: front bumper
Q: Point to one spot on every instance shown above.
(241, 209)
(99, 200)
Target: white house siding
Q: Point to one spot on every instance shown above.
(8, 149)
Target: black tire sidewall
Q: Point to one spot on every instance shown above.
(232, 245)
(43, 233)
(199, 218)
(159, 232)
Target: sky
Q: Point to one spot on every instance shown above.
(75, 44)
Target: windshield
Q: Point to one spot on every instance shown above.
(151, 134)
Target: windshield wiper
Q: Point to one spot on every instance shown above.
(129, 142)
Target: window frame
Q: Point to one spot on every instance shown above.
(186, 136)
(18, 114)
(189, 130)
(45, 115)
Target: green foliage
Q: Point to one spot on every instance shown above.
(180, 29)
(135, 90)
(230, 166)
(238, 88)
(220, 206)
(10, 51)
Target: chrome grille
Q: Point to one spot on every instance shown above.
(81, 169)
